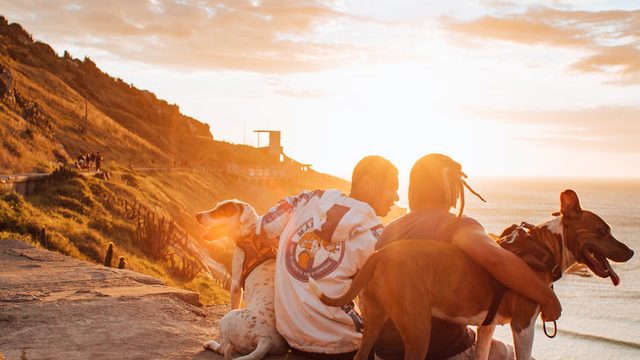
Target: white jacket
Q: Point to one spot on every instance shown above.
(328, 236)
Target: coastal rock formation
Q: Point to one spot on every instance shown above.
(30, 111)
(6, 82)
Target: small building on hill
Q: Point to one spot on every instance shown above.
(278, 167)
(274, 147)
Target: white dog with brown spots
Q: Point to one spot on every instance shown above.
(250, 331)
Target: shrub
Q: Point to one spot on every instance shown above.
(62, 173)
(12, 147)
(16, 215)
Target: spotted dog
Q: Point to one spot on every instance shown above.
(411, 280)
(250, 331)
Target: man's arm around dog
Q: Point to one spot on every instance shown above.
(508, 269)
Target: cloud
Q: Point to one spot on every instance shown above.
(606, 128)
(261, 36)
(624, 60)
(520, 30)
(498, 3)
(611, 38)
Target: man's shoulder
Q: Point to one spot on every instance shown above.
(403, 221)
(459, 222)
(391, 231)
(422, 224)
(343, 218)
(399, 221)
(309, 194)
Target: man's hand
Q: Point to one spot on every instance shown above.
(552, 309)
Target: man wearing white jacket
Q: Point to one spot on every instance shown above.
(326, 235)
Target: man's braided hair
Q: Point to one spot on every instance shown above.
(436, 180)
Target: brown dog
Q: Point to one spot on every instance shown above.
(411, 280)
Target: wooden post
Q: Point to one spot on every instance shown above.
(86, 112)
(43, 238)
(109, 256)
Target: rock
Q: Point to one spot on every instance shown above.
(33, 113)
(6, 82)
(19, 34)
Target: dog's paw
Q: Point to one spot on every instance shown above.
(213, 346)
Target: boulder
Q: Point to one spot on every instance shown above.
(6, 82)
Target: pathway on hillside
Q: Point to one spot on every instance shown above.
(25, 184)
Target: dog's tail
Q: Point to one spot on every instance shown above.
(359, 281)
(260, 351)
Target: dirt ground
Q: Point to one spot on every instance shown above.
(56, 307)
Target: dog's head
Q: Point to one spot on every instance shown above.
(589, 238)
(232, 218)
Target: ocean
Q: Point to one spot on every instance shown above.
(598, 320)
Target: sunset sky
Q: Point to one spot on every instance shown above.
(508, 88)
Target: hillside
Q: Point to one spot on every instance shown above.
(42, 127)
(43, 103)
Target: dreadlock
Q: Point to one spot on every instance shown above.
(436, 180)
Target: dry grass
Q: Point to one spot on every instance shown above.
(128, 126)
(80, 223)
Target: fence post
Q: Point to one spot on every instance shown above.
(43, 238)
(107, 258)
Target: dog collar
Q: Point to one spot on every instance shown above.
(519, 240)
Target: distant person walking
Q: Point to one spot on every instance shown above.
(81, 161)
(98, 159)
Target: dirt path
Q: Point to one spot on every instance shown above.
(56, 307)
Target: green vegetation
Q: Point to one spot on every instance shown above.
(81, 218)
(79, 223)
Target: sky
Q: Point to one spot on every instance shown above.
(522, 88)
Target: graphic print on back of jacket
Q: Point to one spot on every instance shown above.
(327, 236)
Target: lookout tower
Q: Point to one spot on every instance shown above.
(274, 148)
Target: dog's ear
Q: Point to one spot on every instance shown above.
(228, 208)
(247, 212)
(570, 204)
(224, 209)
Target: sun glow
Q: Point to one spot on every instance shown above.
(357, 78)
(398, 112)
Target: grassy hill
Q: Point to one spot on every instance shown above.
(43, 99)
